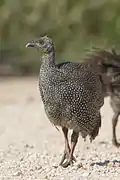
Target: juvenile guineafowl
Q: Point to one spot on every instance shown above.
(72, 96)
(110, 65)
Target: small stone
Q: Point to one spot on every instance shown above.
(55, 166)
(19, 173)
(29, 146)
(79, 165)
(21, 159)
(38, 167)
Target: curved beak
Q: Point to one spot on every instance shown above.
(30, 44)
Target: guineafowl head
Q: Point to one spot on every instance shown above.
(44, 43)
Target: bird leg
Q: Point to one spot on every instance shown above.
(114, 123)
(67, 147)
(74, 138)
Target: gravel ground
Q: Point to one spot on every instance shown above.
(31, 148)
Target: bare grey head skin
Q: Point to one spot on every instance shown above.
(45, 44)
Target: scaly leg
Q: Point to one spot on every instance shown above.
(67, 147)
(74, 138)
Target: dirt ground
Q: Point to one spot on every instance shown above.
(31, 148)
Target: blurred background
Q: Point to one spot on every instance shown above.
(29, 144)
(74, 26)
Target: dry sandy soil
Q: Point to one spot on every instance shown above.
(31, 148)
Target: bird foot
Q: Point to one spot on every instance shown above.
(67, 163)
(66, 157)
(114, 141)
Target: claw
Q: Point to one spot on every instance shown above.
(64, 157)
(67, 163)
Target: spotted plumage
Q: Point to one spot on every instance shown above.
(72, 94)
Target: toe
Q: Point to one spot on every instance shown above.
(66, 164)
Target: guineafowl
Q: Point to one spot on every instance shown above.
(72, 95)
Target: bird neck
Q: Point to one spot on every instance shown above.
(48, 58)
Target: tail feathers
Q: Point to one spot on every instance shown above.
(95, 131)
(104, 57)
